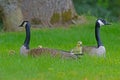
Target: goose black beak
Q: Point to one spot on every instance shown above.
(107, 23)
(20, 26)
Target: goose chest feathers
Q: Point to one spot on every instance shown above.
(99, 50)
(25, 50)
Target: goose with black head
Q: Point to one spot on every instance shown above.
(98, 50)
(25, 50)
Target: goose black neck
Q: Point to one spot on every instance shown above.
(27, 38)
(97, 34)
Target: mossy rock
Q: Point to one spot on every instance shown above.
(36, 21)
(55, 18)
(66, 16)
(63, 17)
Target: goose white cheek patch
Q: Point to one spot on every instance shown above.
(100, 22)
(24, 24)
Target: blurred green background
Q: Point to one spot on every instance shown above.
(109, 9)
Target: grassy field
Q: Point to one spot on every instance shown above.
(17, 67)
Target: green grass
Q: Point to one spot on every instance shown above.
(17, 67)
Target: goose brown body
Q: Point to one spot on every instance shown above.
(52, 52)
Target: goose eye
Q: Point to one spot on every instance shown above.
(104, 21)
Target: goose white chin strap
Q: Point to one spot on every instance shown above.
(100, 22)
(24, 24)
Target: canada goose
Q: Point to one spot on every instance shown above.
(24, 50)
(99, 50)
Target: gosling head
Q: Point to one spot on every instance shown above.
(24, 23)
(12, 52)
(39, 46)
(79, 43)
(102, 22)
